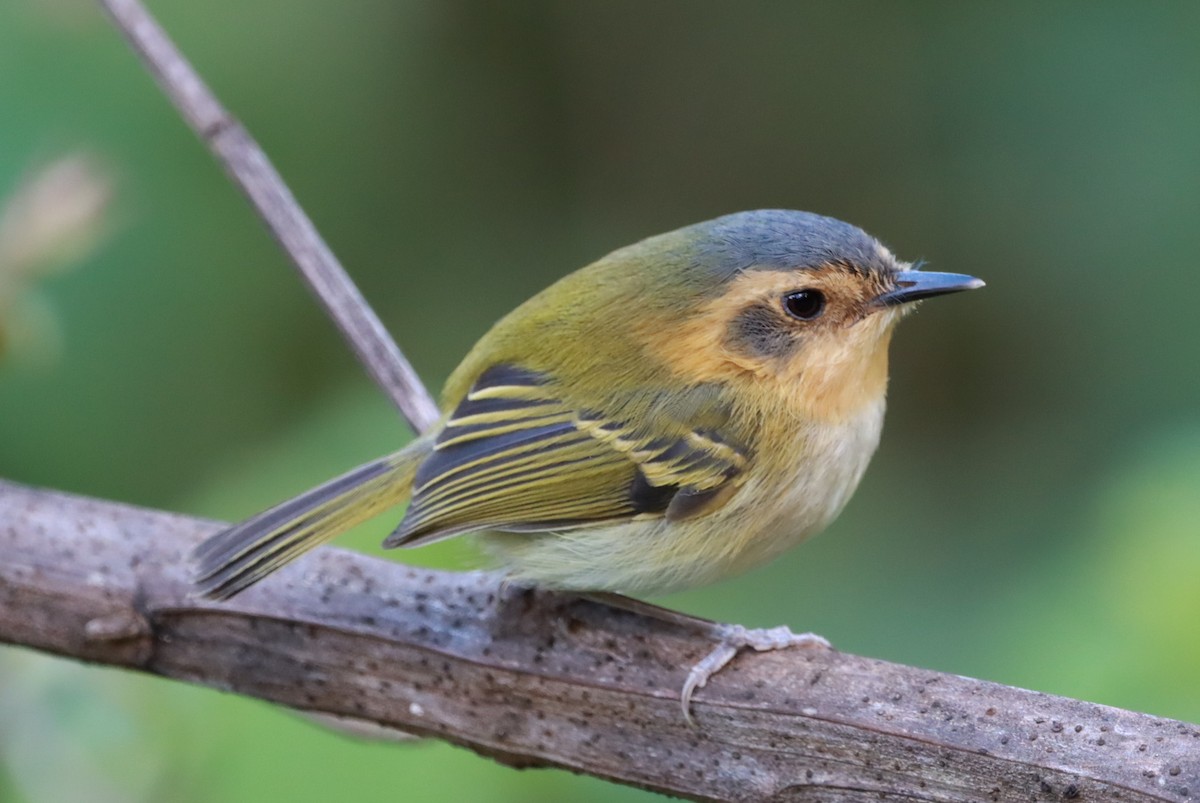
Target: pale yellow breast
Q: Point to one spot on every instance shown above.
(798, 492)
(801, 493)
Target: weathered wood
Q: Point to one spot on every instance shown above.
(538, 679)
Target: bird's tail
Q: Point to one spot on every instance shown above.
(235, 559)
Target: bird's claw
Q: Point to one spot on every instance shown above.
(731, 639)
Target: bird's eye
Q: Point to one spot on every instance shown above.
(804, 304)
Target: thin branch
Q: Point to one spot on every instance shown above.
(536, 679)
(250, 169)
(530, 678)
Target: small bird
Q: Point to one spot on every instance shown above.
(682, 410)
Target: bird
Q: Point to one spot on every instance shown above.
(682, 410)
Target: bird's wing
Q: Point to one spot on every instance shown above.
(513, 456)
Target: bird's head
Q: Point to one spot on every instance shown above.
(793, 305)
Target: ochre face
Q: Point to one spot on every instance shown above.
(813, 341)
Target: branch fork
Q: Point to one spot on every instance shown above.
(530, 678)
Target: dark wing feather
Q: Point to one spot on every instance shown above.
(513, 456)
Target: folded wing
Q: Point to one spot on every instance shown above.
(514, 456)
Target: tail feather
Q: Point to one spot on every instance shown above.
(234, 559)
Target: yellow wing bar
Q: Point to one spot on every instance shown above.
(513, 456)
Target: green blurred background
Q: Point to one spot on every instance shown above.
(1032, 517)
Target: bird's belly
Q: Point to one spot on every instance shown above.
(773, 511)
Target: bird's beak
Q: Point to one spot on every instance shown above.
(914, 285)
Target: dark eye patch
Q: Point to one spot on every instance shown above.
(758, 331)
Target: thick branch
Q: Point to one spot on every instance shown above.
(531, 679)
(535, 679)
(250, 169)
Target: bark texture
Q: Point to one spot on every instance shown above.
(539, 679)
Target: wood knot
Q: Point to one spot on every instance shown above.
(121, 626)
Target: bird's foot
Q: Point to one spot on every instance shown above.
(731, 639)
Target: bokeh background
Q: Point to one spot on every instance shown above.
(1032, 517)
